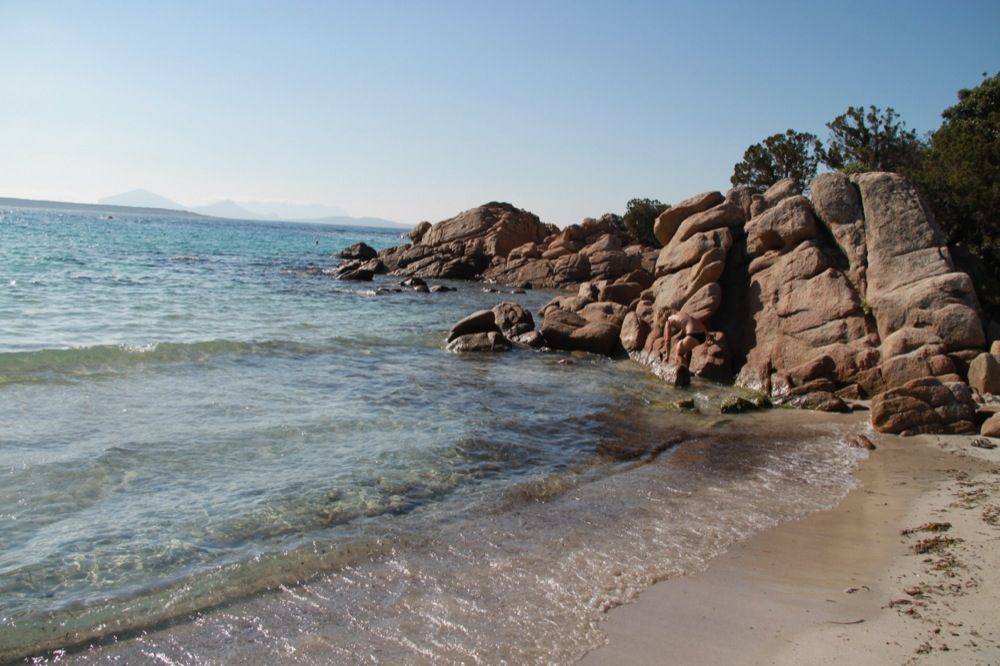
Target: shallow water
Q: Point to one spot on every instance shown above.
(213, 454)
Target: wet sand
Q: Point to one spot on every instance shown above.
(844, 585)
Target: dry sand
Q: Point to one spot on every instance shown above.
(845, 585)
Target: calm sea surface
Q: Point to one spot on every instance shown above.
(210, 453)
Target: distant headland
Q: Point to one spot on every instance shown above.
(142, 202)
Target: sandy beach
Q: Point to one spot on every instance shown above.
(903, 571)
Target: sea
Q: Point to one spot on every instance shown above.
(211, 452)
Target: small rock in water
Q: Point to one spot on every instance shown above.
(860, 442)
(518, 291)
(422, 289)
(567, 361)
(440, 289)
(983, 443)
(413, 282)
(682, 377)
(683, 404)
(736, 405)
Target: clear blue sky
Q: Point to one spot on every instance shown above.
(418, 110)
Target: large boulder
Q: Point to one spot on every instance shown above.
(782, 227)
(481, 321)
(984, 374)
(670, 220)
(837, 202)
(513, 319)
(506, 226)
(463, 246)
(567, 330)
(991, 427)
(359, 251)
(491, 341)
(911, 278)
(925, 405)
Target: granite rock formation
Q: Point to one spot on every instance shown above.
(850, 294)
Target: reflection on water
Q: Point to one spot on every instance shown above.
(211, 454)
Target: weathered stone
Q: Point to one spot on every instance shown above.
(910, 274)
(705, 302)
(531, 339)
(360, 251)
(558, 326)
(604, 243)
(742, 196)
(604, 311)
(782, 227)
(357, 270)
(735, 404)
(820, 401)
(639, 276)
(726, 214)
(491, 341)
(781, 190)
(710, 360)
(837, 204)
(481, 321)
(673, 290)
(984, 374)
(858, 441)
(596, 338)
(925, 406)
(819, 367)
(991, 427)
(634, 332)
(681, 254)
(507, 226)
(527, 251)
(623, 293)
(512, 319)
(418, 232)
(570, 331)
(670, 220)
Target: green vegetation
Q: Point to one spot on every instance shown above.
(960, 177)
(789, 155)
(872, 140)
(640, 214)
(875, 140)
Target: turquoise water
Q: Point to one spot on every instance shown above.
(197, 426)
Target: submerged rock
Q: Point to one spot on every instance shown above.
(492, 341)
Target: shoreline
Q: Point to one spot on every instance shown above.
(842, 585)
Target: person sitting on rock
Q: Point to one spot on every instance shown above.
(695, 334)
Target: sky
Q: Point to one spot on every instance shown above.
(417, 110)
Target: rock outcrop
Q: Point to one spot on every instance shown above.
(925, 405)
(499, 243)
(850, 294)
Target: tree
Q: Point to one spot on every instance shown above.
(789, 155)
(872, 140)
(640, 214)
(960, 178)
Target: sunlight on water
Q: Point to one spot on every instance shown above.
(195, 421)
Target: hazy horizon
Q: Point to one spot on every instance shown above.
(417, 112)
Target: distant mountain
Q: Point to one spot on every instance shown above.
(231, 209)
(141, 199)
(270, 211)
(94, 208)
(281, 210)
(347, 221)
